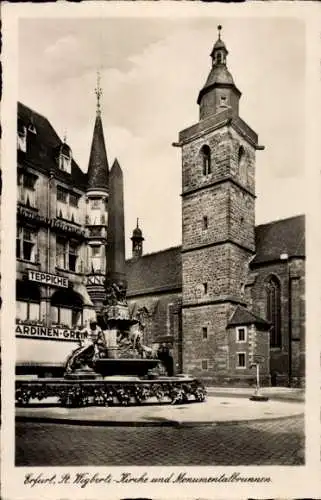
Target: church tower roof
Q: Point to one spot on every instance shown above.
(218, 78)
(98, 169)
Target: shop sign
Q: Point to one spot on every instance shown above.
(48, 333)
(47, 278)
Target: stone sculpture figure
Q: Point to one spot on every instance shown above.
(90, 348)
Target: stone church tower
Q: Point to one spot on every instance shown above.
(218, 219)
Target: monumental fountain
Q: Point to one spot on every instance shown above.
(113, 366)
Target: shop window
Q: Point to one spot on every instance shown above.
(273, 311)
(67, 308)
(241, 333)
(27, 301)
(241, 360)
(26, 244)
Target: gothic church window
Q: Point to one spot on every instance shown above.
(273, 310)
(206, 158)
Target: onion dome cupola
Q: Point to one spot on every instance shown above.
(137, 242)
(98, 169)
(219, 91)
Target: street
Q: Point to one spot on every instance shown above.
(274, 442)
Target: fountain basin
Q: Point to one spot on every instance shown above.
(131, 367)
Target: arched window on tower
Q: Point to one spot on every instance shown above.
(206, 158)
(273, 310)
(242, 164)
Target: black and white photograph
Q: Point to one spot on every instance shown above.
(160, 277)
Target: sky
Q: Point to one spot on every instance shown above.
(151, 72)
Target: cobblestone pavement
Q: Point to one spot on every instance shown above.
(276, 442)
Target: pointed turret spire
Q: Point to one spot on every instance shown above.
(219, 91)
(98, 170)
(98, 92)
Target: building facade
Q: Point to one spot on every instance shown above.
(230, 296)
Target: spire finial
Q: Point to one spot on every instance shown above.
(219, 31)
(137, 223)
(98, 92)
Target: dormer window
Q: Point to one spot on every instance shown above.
(32, 128)
(64, 159)
(65, 163)
(22, 137)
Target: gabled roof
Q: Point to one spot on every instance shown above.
(162, 270)
(155, 272)
(279, 237)
(45, 148)
(242, 316)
